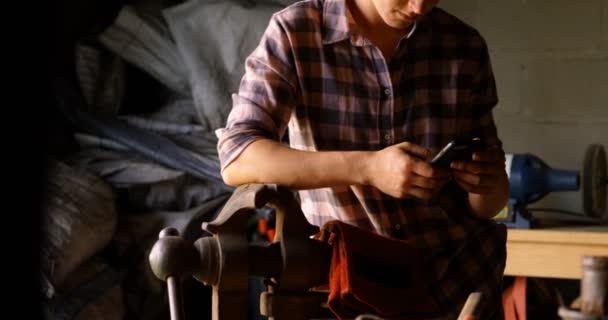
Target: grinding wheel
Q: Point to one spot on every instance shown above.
(594, 181)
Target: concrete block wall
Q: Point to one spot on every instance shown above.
(550, 59)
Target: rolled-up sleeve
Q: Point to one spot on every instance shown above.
(262, 107)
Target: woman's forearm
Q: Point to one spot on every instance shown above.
(486, 206)
(267, 161)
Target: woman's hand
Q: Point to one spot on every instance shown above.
(402, 170)
(482, 174)
(485, 179)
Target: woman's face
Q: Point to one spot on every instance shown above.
(400, 14)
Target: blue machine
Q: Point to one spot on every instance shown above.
(531, 179)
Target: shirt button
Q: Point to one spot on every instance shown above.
(387, 92)
(398, 232)
(388, 137)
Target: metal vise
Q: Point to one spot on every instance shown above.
(292, 264)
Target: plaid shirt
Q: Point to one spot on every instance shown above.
(332, 88)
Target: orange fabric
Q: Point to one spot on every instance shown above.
(374, 274)
(262, 225)
(514, 300)
(270, 234)
(264, 229)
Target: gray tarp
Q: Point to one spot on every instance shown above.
(147, 45)
(203, 54)
(214, 38)
(164, 160)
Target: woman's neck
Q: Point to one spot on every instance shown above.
(371, 25)
(369, 20)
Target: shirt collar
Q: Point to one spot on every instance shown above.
(338, 23)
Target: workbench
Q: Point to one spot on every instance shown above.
(553, 252)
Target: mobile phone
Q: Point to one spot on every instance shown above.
(457, 150)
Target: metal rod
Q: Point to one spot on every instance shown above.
(176, 305)
(594, 285)
(472, 307)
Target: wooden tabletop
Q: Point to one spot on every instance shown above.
(554, 252)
